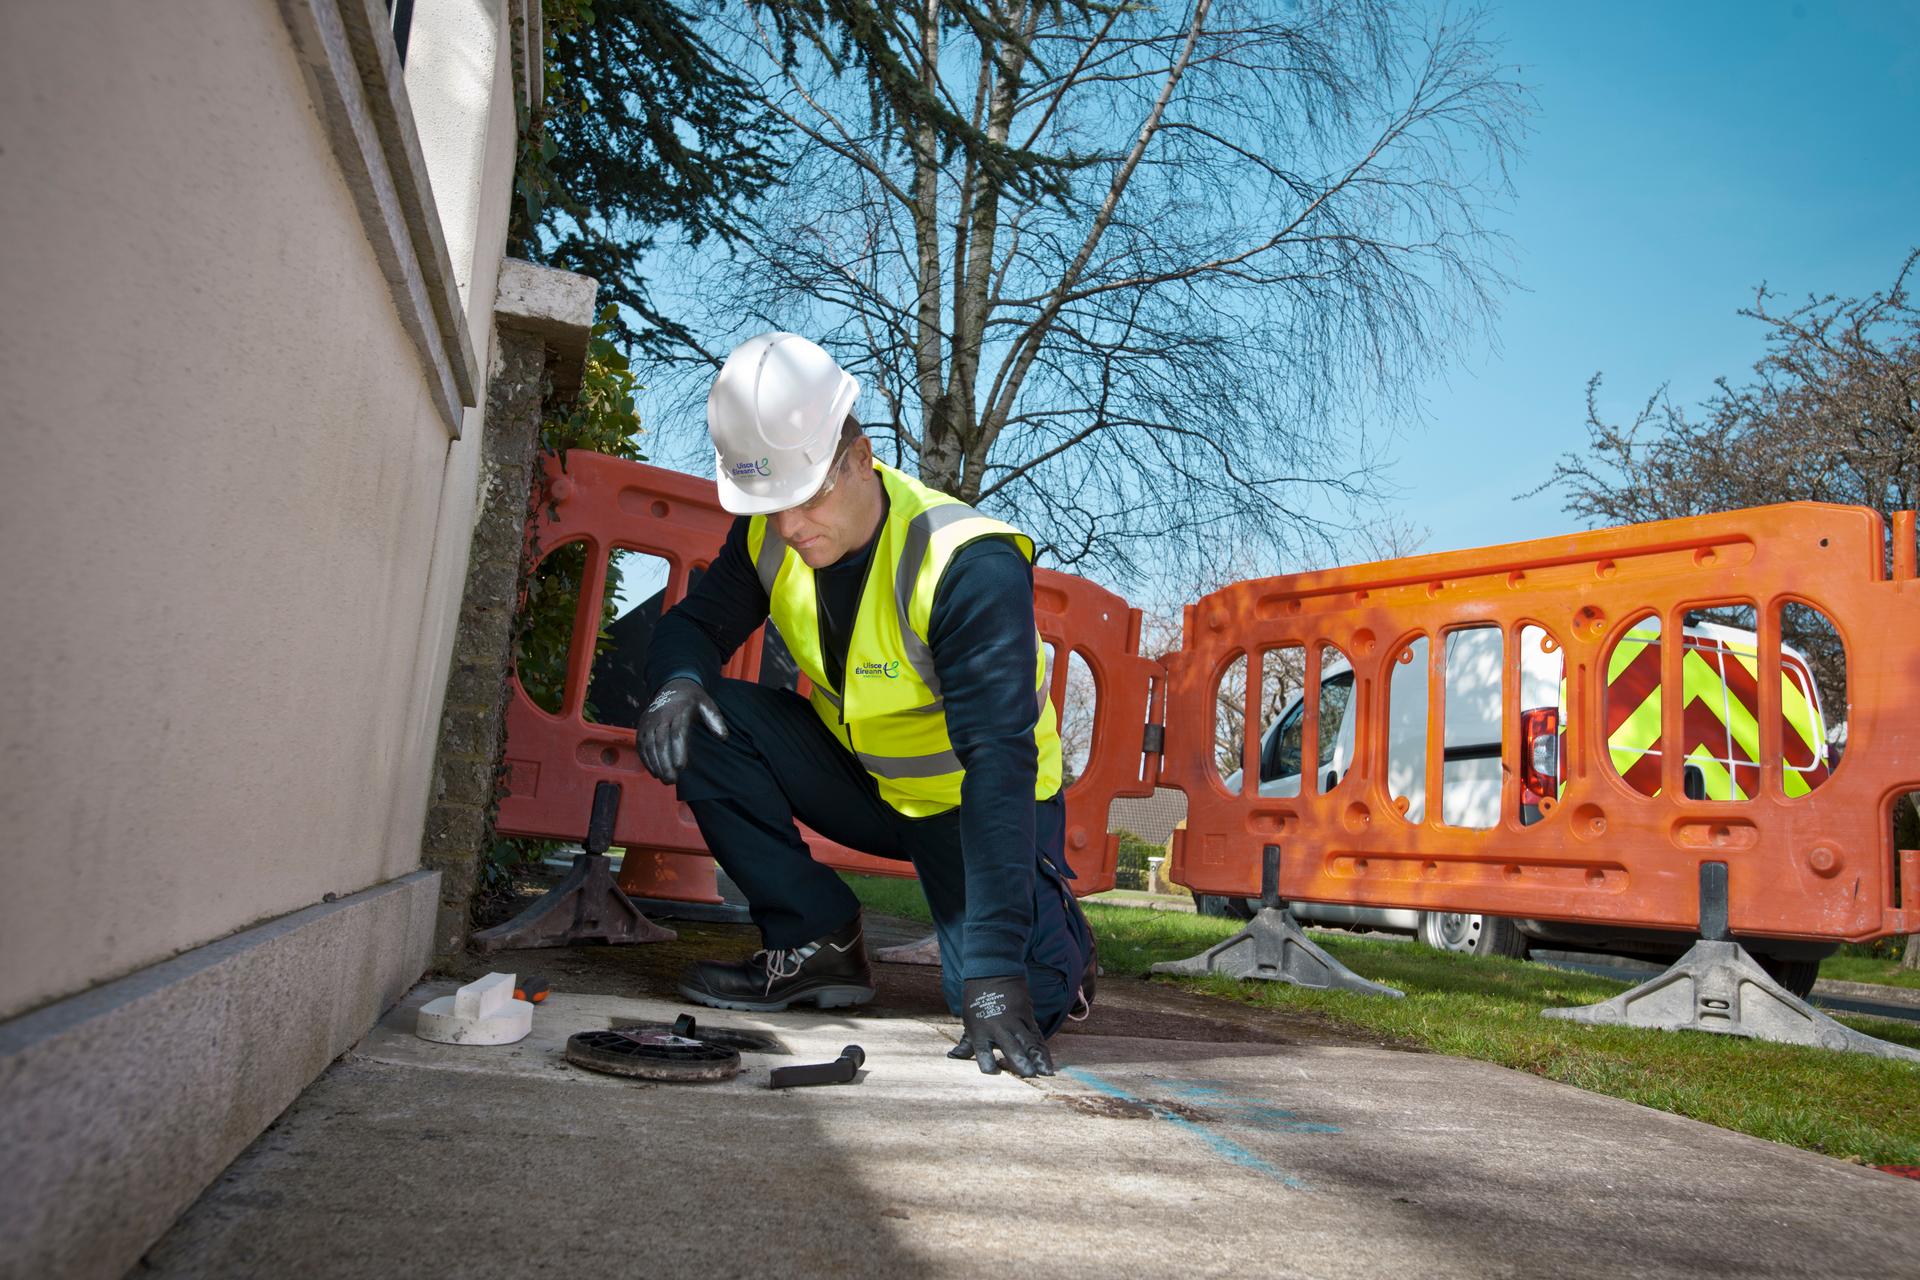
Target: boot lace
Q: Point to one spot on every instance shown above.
(783, 962)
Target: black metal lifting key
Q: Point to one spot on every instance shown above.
(840, 1071)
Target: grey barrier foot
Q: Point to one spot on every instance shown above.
(1718, 987)
(1274, 948)
(587, 906)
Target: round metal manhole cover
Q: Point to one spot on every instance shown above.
(652, 1055)
(737, 1038)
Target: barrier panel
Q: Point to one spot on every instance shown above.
(1615, 806)
(555, 758)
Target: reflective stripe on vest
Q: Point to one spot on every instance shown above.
(889, 712)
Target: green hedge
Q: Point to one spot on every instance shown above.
(1133, 868)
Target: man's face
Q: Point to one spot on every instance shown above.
(840, 518)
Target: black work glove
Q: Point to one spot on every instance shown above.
(998, 1014)
(667, 722)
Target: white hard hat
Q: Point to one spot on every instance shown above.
(774, 414)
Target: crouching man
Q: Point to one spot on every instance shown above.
(928, 735)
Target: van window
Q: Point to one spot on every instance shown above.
(1280, 758)
(1335, 693)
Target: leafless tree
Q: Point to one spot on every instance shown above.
(1832, 414)
(1267, 219)
(1389, 536)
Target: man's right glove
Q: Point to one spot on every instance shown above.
(998, 1013)
(667, 722)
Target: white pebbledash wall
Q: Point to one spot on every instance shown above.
(238, 478)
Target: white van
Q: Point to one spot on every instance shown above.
(1719, 767)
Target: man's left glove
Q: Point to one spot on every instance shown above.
(668, 722)
(998, 1014)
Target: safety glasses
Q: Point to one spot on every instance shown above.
(833, 478)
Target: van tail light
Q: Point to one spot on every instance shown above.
(1540, 754)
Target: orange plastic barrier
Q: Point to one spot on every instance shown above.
(554, 760)
(1818, 865)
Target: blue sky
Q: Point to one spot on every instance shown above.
(1680, 155)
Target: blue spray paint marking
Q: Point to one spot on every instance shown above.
(1248, 1111)
(1222, 1146)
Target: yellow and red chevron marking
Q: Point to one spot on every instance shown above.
(1720, 729)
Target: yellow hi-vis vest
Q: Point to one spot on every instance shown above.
(890, 715)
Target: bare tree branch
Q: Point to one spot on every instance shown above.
(1269, 226)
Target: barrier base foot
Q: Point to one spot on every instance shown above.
(587, 906)
(1274, 948)
(925, 951)
(1718, 987)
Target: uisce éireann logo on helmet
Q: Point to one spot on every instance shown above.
(760, 468)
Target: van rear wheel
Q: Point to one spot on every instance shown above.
(1213, 904)
(1797, 976)
(1472, 934)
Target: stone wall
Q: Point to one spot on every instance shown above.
(543, 323)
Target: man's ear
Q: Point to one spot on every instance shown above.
(860, 452)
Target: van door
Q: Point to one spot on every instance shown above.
(1336, 750)
(1280, 752)
(1470, 752)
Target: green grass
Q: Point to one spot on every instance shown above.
(890, 896)
(1845, 1105)
(1884, 970)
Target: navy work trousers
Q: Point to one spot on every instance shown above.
(778, 763)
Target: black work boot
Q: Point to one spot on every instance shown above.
(831, 972)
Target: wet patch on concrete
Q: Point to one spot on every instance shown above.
(1216, 1096)
(1232, 1111)
(1113, 1108)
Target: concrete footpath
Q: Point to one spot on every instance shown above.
(1182, 1137)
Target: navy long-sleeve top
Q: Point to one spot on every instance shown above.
(981, 631)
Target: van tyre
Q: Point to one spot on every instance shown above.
(1797, 976)
(1472, 934)
(1214, 904)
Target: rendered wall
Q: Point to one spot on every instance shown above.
(235, 524)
